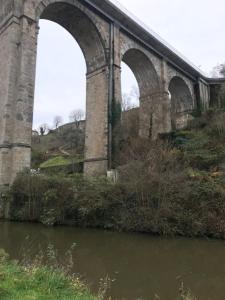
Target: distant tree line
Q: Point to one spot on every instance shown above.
(75, 116)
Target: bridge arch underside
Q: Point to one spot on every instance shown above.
(150, 92)
(81, 27)
(84, 31)
(182, 103)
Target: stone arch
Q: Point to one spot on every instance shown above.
(77, 19)
(74, 17)
(182, 102)
(149, 88)
(79, 25)
(143, 70)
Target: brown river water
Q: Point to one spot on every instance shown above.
(140, 265)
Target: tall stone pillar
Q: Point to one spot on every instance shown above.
(155, 109)
(116, 101)
(96, 136)
(24, 98)
(103, 109)
(153, 115)
(166, 103)
(203, 95)
(18, 37)
(8, 51)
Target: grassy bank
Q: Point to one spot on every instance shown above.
(34, 282)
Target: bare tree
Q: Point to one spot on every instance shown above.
(130, 100)
(126, 102)
(57, 121)
(76, 116)
(135, 93)
(219, 70)
(43, 129)
(222, 70)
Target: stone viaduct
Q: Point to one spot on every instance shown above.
(170, 86)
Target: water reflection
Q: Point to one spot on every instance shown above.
(142, 265)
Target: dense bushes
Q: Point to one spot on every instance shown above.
(170, 203)
(165, 202)
(172, 186)
(63, 200)
(170, 195)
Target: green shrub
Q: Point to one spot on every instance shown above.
(216, 127)
(58, 200)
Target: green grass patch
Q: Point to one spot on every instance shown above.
(60, 161)
(56, 162)
(38, 283)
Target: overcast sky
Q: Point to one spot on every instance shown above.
(196, 28)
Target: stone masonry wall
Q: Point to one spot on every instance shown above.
(104, 46)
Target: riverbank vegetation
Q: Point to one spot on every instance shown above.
(172, 186)
(37, 282)
(34, 280)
